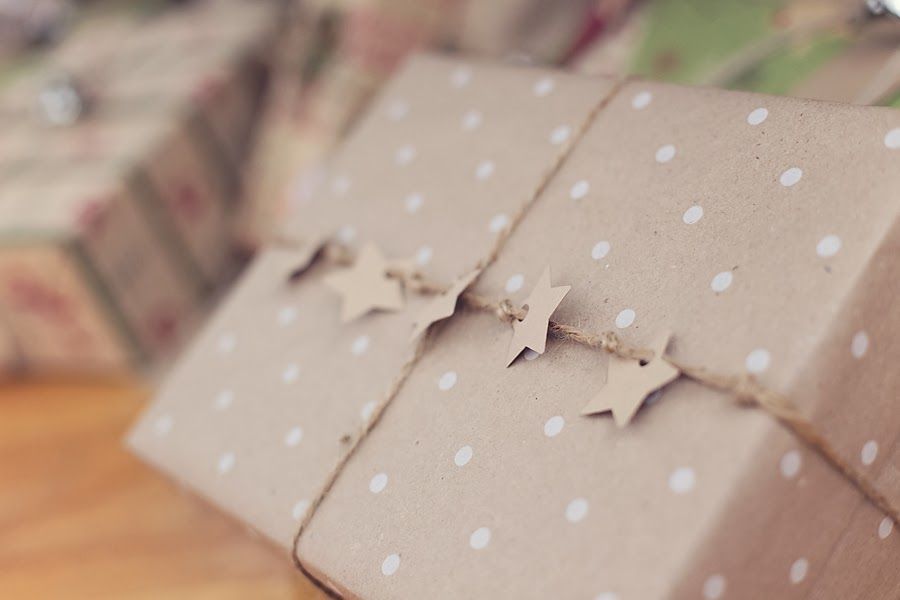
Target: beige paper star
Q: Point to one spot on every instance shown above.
(628, 384)
(366, 286)
(531, 332)
(443, 305)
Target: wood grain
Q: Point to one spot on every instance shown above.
(82, 518)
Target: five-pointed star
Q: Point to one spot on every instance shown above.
(628, 384)
(366, 286)
(531, 332)
(443, 305)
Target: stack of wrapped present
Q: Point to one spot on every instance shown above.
(567, 337)
(118, 167)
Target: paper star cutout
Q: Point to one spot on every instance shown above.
(443, 305)
(628, 384)
(366, 286)
(531, 332)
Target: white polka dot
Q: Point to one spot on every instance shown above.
(721, 282)
(543, 87)
(463, 456)
(287, 315)
(413, 203)
(554, 426)
(498, 223)
(560, 134)
(860, 344)
(576, 510)
(514, 283)
(163, 425)
(298, 511)
(398, 109)
(665, 153)
(447, 381)
(758, 361)
(346, 234)
(378, 483)
(367, 410)
(790, 464)
(227, 343)
(223, 399)
(461, 77)
(713, 587)
(641, 100)
(828, 246)
(360, 345)
(471, 120)
(529, 354)
(892, 139)
(290, 373)
(791, 177)
(423, 255)
(293, 436)
(757, 116)
(579, 190)
(390, 565)
(226, 463)
(340, 185)
(606, 596)
(405, 155)
(885, 527)
(600, 250)
(692, 215)
(484, 170)
(799, 570)
(480, 538)
(682, 480)
(625, 318)
(869, 452)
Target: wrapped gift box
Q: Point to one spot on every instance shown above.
(719, 217)
(85, 284)
(168, 103)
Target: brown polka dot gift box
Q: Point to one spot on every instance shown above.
(654, 355)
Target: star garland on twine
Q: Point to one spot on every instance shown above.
(633, 374)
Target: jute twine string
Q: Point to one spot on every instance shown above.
(743, 389)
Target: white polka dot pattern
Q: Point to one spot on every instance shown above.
(757, 116)
(378, 483)
(641, 100)
(390, 564)
(682, 480)
(798, 571)
(554, 426)
(714, 587)
(480, 538)
(625, 318)
(791, 177)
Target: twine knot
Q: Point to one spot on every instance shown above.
(610, 342)
(508, 312)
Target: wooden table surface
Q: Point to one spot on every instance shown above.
(82, 518)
